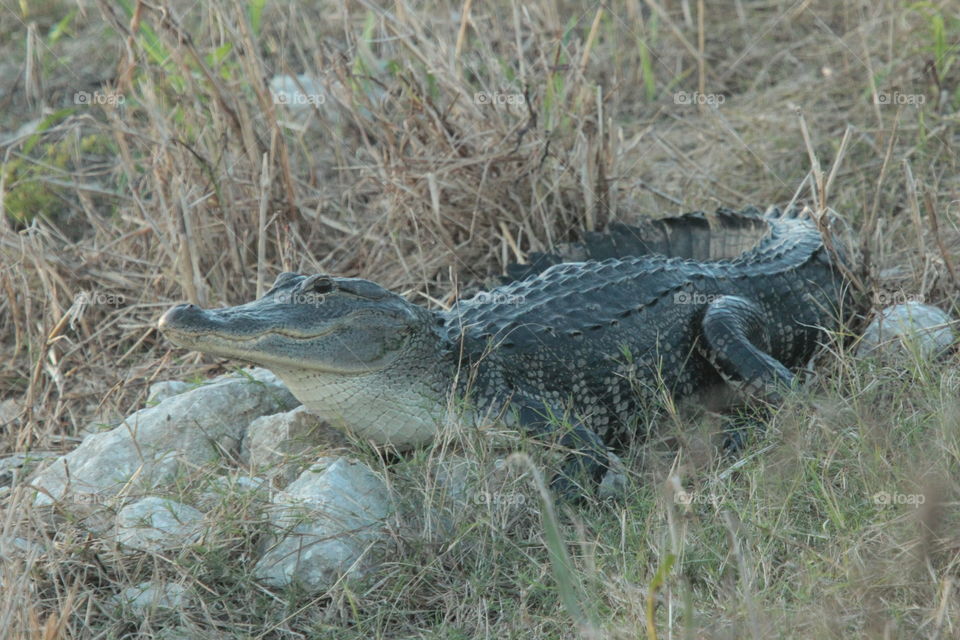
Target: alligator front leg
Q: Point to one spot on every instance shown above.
(587, 460)
(737, 335)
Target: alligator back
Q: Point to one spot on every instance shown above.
(625, 323)
(723, 235)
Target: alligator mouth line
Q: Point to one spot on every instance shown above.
(248, 348)
(188, 333)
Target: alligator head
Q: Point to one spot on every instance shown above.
(337, 325)
(344, 346)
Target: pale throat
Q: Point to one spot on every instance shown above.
(376, 406)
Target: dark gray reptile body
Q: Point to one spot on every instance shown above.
(675, 307)
(609, 336)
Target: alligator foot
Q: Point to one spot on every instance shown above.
(739, 428)
(583, 466)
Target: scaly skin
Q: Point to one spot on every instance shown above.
(680, 306)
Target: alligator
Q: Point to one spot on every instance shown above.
(572, 347)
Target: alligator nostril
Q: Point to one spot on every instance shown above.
(172, 314)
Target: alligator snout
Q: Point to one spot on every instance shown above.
(176, 316)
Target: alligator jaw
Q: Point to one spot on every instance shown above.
(191, 327)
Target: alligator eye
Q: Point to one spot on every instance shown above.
(317, 284)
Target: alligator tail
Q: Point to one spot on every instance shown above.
(721, 235)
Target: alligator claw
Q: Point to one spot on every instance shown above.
(738, 430)
(734, 441)
(580, 476)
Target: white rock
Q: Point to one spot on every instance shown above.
(327, 522)
(26, 129)
(897, 328)
(160, 391)
(298, 93)
(17, 545)
(282, 445)
(158, 524)
(149, 595)
(305, 93)
(153, 444)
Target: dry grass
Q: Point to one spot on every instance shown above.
(200, 187)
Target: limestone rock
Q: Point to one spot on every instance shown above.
(327, 523)
(899, 328)
(282, 445)
(149, 595)
(190, 428)
(158, 524)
